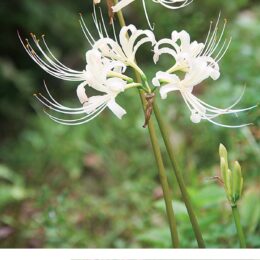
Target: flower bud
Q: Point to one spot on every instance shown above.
(237, 182)
(223, 153)
(223, 167)
(233, 180)
(228, 185)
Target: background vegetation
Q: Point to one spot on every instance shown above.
(96, 185)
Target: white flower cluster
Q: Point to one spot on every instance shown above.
(109, 58)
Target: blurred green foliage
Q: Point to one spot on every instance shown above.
(96, 185)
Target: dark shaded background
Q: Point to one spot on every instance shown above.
(96, 185)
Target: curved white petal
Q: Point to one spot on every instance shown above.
(116, 109)
(130, 39)
(168, 88)
(121, 4)
(116, 85)
(81, 93)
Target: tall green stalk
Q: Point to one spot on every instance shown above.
(159, 161)
(179, 177)
(165, 185)
(240, 231)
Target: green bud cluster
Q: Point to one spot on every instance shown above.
(233, 180)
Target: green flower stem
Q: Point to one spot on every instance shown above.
(138, 71)
(159, 161)
(179, 177)
(240, 232)
(134, 85)
(165, 185)
(121, 76)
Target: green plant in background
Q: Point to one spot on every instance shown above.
(12, 187)
(86, 197)
(233, 183)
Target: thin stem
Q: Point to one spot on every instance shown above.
(159, 160)
(133, 85)
(121, 76)
(139, 71)
(179, 178)
(239, 228)
(165, 185)
(176, 67)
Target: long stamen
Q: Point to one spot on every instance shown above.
(62, 66)
(77, 121)
(51, 65)
(55, 101)
(146, 16)
(219, 40)
(86, 31)
(103, 23)
(46, 102)
(212, 37)
(217, 58)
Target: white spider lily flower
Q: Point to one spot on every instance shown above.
(102, 74)
(96, 77)
(45, 58)
(185, 52)
(198, 108)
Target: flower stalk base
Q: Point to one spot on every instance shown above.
(179, 178)
(239, 228)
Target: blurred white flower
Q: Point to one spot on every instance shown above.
(198, 108)
(96, 77)
(171, 4)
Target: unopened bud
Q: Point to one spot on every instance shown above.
(229, 185)
(223, 153)
(233, 180)
(223, 168)
(237, 182)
